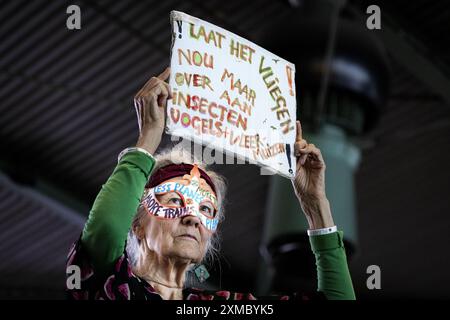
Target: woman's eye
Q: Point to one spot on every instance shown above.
(208, 210)
(176, 201)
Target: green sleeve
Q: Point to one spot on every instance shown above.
(332, 270)
(110, 218)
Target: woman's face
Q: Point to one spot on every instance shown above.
(182, 238)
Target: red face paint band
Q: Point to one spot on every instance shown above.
(176, 170)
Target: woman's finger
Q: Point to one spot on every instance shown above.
(151, 85)
(163, 94)
(141, 105)
(316, 154)
(169, 89)
(299, 144)
(308, 149)
(299, 134)
(157, 85)
(154, 81)
(148, 85)
(312, 151)
(302, 159)
(165, 74)
(154, 108)
(138, 107)
(165, 85)
(160, 90)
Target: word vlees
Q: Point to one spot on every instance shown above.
(275, 93)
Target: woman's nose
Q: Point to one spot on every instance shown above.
(191, 221)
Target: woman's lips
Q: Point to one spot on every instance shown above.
(188, 236)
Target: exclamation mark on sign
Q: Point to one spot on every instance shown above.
(179, 23)
(289, 77)
(288, 153)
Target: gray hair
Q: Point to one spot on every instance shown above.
(179, 154)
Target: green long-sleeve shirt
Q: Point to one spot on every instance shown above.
(105, 232)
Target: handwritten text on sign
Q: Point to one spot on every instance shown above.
(232, 94)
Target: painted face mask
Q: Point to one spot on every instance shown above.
(183, 200)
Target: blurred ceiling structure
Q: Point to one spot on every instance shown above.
(66, 112)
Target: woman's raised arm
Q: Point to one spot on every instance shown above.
(309, 185)
(110, 218)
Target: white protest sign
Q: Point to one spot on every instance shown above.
(231, 94)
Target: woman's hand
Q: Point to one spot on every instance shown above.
(150, 103)
(309, 183)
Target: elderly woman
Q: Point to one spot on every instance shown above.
(155, 220)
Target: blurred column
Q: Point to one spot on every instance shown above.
(355, 66)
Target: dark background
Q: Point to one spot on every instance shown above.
(66, 111)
